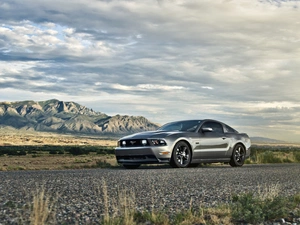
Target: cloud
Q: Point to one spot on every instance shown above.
(236, 61)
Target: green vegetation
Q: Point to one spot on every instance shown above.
(243, 208)
(56, 157)
(274, 154)
(73, 150)
(103, 164)
(62, 157)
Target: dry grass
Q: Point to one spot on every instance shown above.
(44, 161)
(269, 156)
(42, 208)
(123, 207)
(38, 138)
(53, 162)
(269, 191)
(284, 144)
(120, 209)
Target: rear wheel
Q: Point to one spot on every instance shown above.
(238, 156)
(181, 156)
(127, 166)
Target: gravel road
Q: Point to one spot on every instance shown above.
(79, 199)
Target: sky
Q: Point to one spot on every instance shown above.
(236, 61)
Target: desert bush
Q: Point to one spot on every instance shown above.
(120, 208)
(60, 152)
(286, 160)
(12, 153)
(32, 152)
(145, 217)
(22, 152)
(52, 152)
(269, 157)
(103, 164)
(105, 151)
(4, 150)
(297, 156)
(248, 208)
(78, 151)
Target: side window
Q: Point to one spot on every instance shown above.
(217, 127)
(228, 129)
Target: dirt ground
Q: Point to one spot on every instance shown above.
(38, 138)
(55, 162)
(45, 161)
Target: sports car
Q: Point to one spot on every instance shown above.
(184, 144)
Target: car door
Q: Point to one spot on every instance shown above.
(212, 142)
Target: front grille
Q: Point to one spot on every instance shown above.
(137, 158)
(133, 143)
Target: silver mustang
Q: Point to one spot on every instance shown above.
(183, 144)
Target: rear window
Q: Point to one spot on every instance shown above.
(229, 129)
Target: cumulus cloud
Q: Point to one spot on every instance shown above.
(234, 60)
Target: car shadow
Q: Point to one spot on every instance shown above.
(167, 166)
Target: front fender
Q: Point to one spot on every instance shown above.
(172, 142)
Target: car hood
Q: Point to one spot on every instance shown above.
(151, 134)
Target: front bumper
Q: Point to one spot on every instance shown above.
(143, 155)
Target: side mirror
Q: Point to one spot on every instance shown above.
(207, 129)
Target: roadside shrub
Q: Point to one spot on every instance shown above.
(297, 156)
(2, 152)
(52, 152)
(14, 153)
(32, 152)
(77, 151)
(286, 160)
(60, 152)
(269, 157)
(275, 208)
(247, 208)
(11, 153)
(103, 164)
(104, 151)
(22, 152)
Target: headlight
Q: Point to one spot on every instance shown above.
(121, 143)
(158, 142)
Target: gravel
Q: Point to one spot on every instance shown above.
(78, 195)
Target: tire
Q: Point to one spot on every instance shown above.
(127, 166)
(238, 156)
(181, 156)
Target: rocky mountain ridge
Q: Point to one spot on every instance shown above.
(59, 116)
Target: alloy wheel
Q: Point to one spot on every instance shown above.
(182, 155)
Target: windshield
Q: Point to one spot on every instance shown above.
(189, 125)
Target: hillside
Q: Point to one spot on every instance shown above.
(67, 117)
(265, 140)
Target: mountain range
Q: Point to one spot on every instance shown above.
(68, 117)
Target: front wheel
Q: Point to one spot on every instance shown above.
(128, 166)
(238, 156)
(181, 156)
